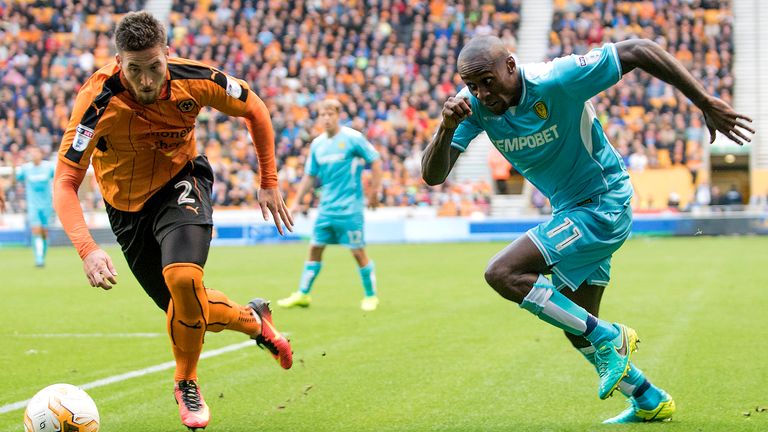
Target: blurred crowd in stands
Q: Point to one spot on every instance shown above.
(649, 123)
(49, 48)
(390, 62)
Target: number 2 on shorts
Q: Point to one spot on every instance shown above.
(184, 195)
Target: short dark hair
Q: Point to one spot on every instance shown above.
(138, 31)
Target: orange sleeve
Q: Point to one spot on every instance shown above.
(66, 182)
(79, 140)
(238, 100)
(263, 135)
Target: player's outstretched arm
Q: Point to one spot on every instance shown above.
(97, 264)
(15, 173)
(305, 185)
(439, 157)
(259, 124)
(373, 193)
(650, 57)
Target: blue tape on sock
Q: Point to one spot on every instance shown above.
(641, 389)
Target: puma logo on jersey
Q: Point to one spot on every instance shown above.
(194, 209)
(98, 110)
(529, 141)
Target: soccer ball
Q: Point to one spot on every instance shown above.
(61, 408)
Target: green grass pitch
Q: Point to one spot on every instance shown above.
(442, 353)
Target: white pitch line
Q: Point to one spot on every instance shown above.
(134, 374)
(90, 335)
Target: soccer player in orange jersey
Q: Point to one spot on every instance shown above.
(134, 120)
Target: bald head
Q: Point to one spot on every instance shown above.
(482, 52)
(490, 72)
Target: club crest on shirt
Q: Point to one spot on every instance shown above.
(342, 144)
(541, 110)
(186, 105)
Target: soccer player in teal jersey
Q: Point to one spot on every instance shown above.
(37, 176)
(336, 160)
(540, 118)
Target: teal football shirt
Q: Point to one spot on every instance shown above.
(38, 180)
(338, 162)
(552, 137)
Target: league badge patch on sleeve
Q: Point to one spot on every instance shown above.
(83, 136)
(233, 88)
(589, 58)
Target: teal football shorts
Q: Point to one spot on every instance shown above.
(578, 243)
(346, 230)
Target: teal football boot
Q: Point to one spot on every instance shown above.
(612, 359)
(633, 414)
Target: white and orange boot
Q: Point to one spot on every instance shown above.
(269, 338)
(192, 407)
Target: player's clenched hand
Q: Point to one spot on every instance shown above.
(272, 202)
(455, 110)
(99, 269)
(720, 116)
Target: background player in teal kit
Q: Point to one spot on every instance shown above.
(336, 160)
(37, 176)
(540, 118)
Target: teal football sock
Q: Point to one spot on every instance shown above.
(38, 244)
(635, 384)
(308, 275)
(551, 306)
(600, 331)
(368, 277)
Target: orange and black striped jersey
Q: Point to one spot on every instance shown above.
(136, 149)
